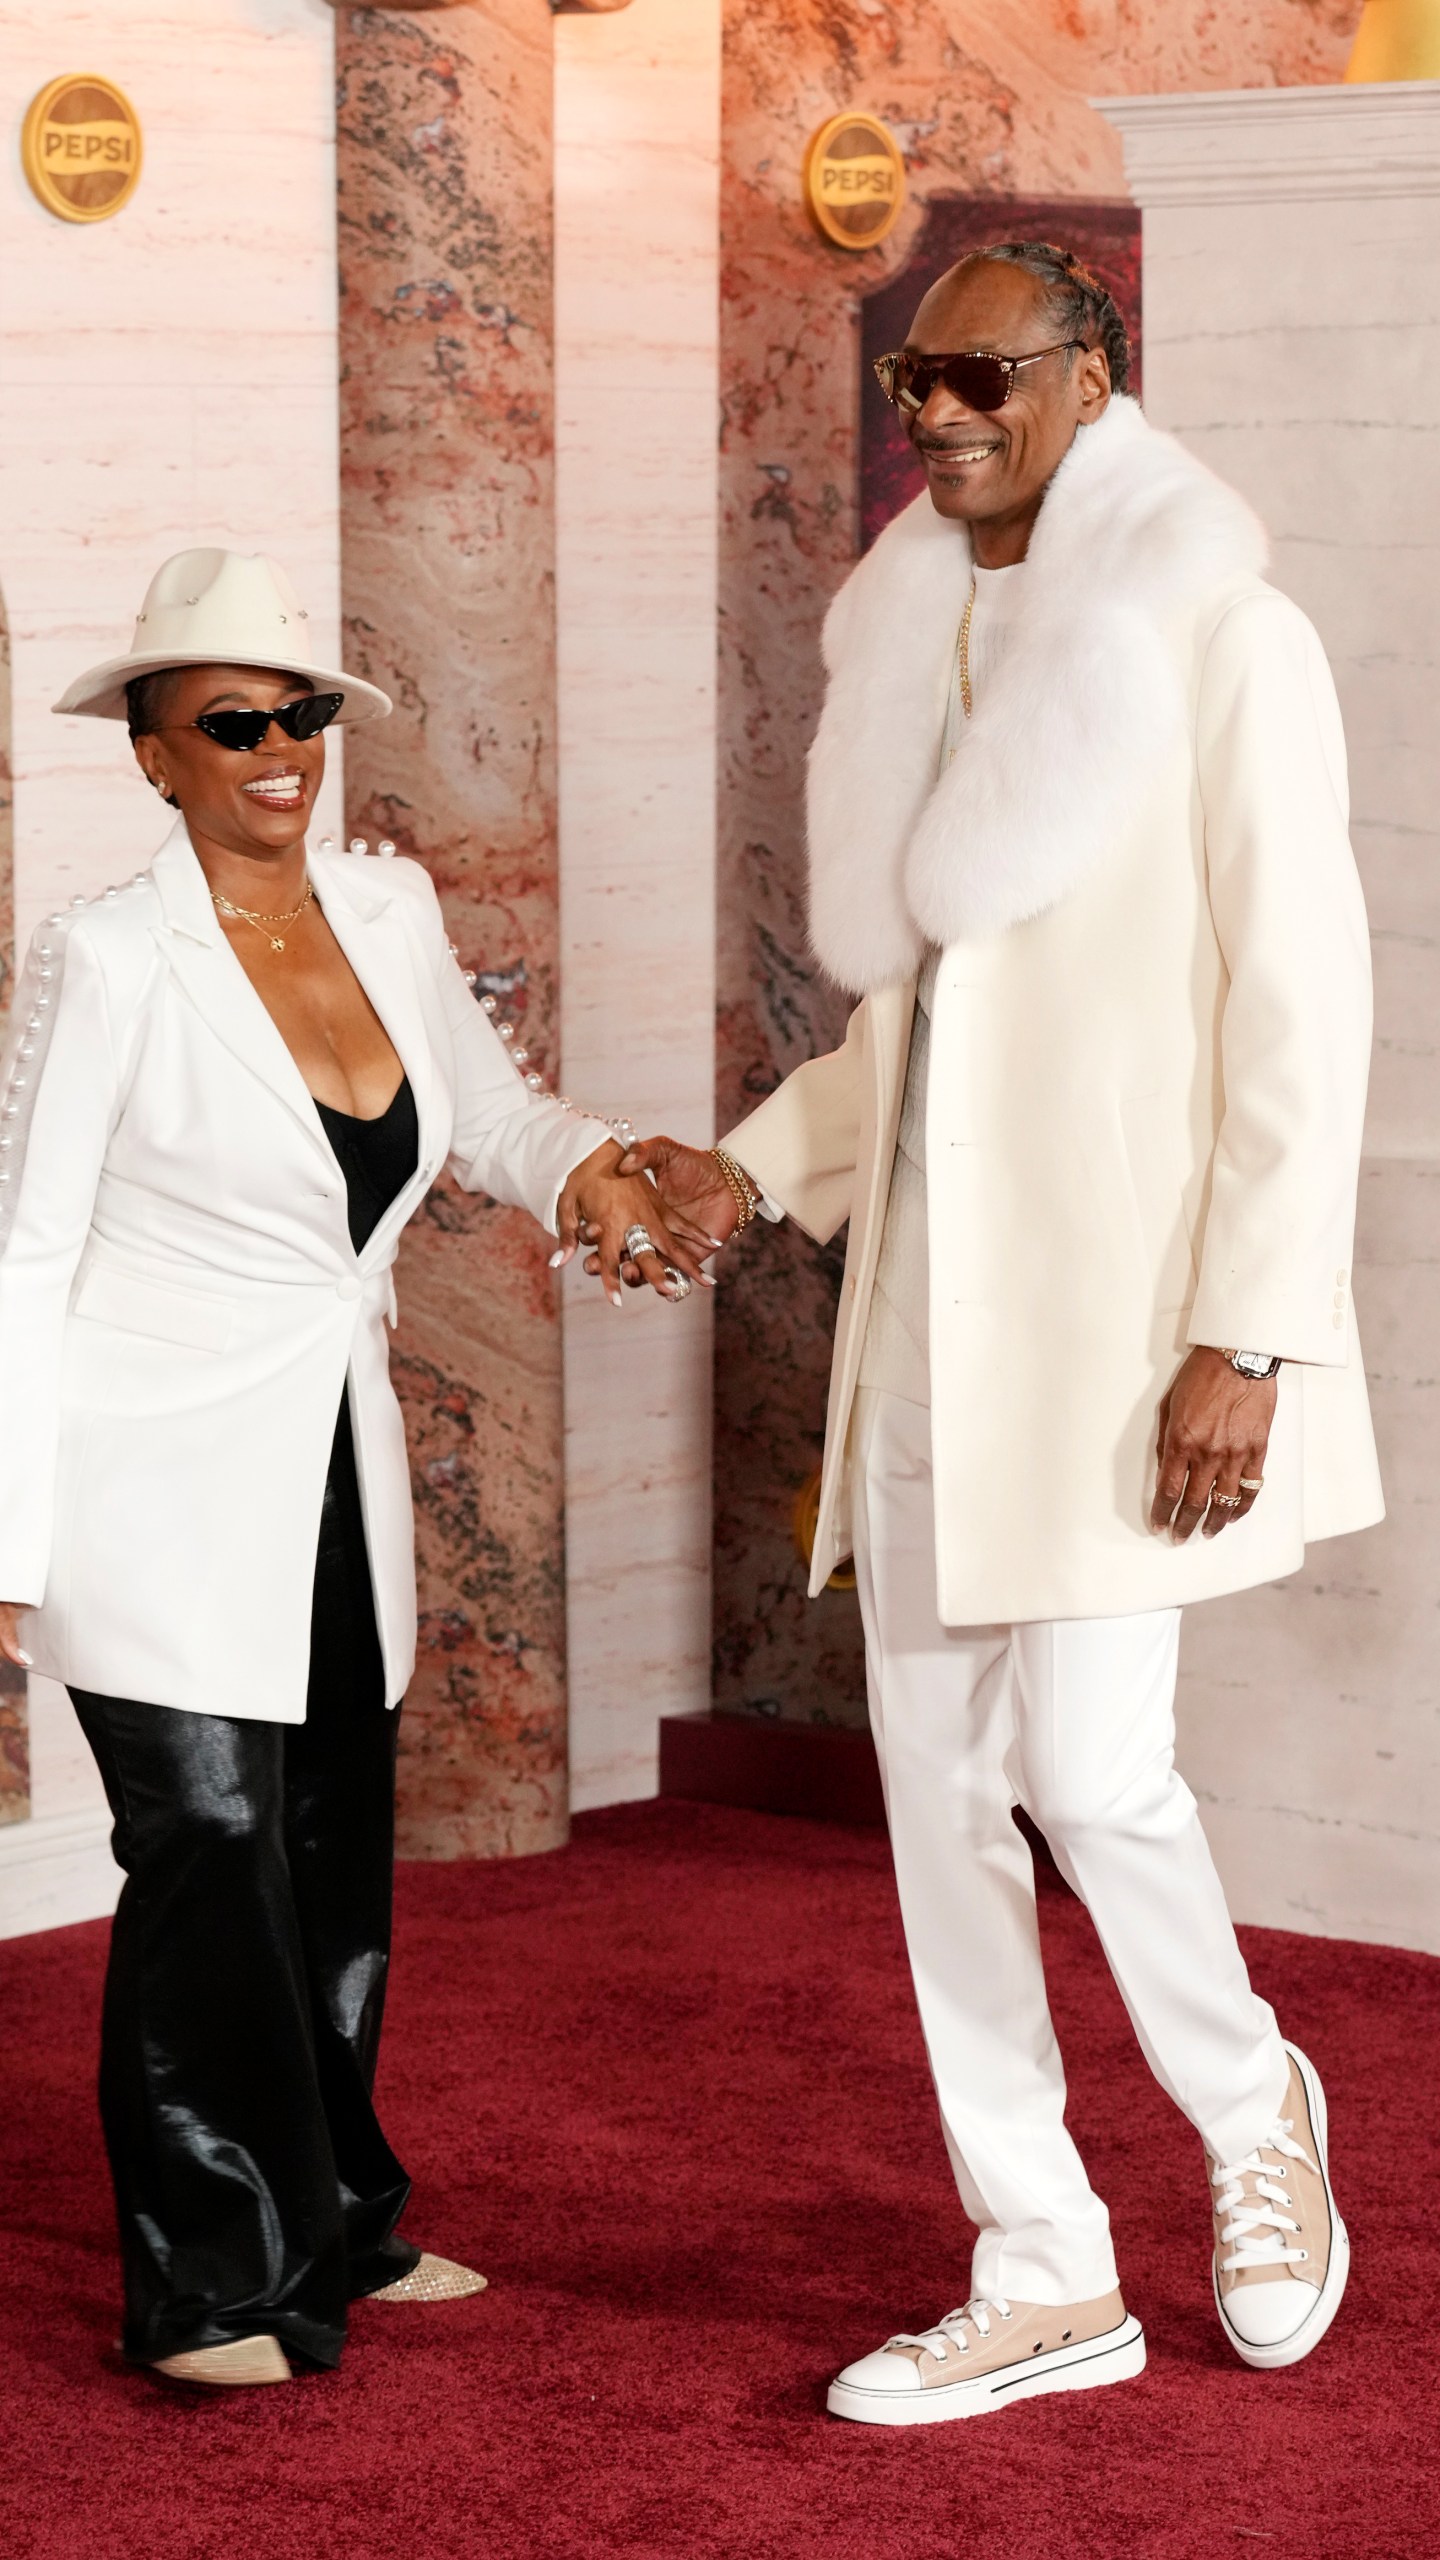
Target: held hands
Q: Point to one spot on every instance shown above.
(601, 1206)
(693, 1193)
(1214, 1432)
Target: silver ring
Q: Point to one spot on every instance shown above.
(1226, 1501)
(638, 1240)
(1251, 1484)
(679, 1285)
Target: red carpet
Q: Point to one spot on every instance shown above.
(667, 2089)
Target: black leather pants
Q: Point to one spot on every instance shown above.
(246, 1985)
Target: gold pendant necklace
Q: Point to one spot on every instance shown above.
(262, 923)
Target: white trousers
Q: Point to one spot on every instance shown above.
(1075, 1721)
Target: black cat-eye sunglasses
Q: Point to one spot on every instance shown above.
(244, 731)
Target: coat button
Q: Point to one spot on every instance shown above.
(1339, 1323)
(347, 1288)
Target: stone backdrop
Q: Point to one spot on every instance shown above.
(448, 550)
(14, 1753)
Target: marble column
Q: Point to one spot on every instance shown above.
(1292, 337)
(637, 322)
(448, 538)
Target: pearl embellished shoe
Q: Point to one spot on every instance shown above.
(1282, 2255)
(433, 2280)
(988, 2355)
(239, 2362)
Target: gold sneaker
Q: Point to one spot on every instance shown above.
(432, 2280)
(239, 2364)
(1282, 2254)
(990, 2353)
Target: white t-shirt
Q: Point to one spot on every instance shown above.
(895, 1355)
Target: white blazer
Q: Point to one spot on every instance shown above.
(180, 1303)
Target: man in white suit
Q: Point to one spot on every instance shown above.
(1077, 815)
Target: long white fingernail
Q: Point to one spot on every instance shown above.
(557, 1258)
(705, 1280)
(28, 1659)
(614, 1297)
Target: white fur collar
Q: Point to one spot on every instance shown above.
(1074, 722)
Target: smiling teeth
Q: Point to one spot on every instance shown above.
(280, 786)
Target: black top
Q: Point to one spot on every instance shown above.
(377, 1158)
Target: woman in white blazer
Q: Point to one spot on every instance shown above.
(228, 1086)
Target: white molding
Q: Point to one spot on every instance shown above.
(54, 1870)
(1247, 146)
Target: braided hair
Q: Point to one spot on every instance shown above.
(1076, 299)
(147, 700)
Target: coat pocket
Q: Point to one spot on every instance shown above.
(151, 1307)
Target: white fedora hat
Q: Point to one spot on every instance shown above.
(219, 609)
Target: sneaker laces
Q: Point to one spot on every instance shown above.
(951, 2331)
(1260, 2207)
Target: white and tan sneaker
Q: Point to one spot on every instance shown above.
(1282, 2254)
(990, 2353)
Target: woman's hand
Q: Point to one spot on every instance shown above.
(10, 1644)
(1214, 1432)
(602, 1204)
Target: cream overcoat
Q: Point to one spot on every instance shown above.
(1150, 1035)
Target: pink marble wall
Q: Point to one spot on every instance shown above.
(989, 101)
(448, 533)
(14, 1754)
(7, 826)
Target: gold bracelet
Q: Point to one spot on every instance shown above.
(746, 1197)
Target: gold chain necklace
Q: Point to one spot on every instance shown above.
(967, 703)
(262, 923)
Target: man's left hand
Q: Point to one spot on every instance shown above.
(1214, 1431)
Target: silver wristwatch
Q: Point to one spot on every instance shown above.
(1252, 1364)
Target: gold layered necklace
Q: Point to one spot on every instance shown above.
(263, 923)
